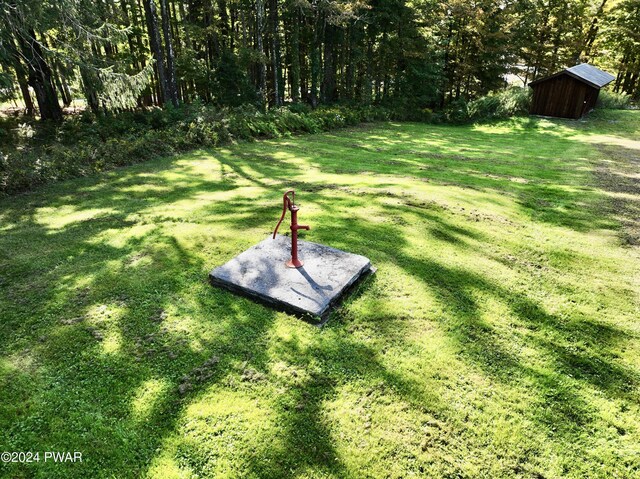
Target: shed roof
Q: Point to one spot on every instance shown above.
(584, 72)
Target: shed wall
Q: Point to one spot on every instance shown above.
(563, 96)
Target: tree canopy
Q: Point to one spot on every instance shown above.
(122, 54)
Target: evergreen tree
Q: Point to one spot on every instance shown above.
(425, 53)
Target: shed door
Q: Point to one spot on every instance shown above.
(590, 99)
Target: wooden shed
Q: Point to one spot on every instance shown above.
(571, 93)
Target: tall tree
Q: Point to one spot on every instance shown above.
(275, 52)
(40, 76)
(172, 85)
(422, 53)
(621, 39)
(156, 47)
(20, 39)
(262, 71)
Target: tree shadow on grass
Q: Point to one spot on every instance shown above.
(574, 351)
(78, 393)
(552, 336)
(84, 331)
(619, 176)
(550, 186)
(87, 372)
(306, 441)
(556, 337)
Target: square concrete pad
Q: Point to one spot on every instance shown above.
(260, 273)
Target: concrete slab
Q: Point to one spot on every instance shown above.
(260, 273)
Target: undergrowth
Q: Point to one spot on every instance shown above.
(34, 153)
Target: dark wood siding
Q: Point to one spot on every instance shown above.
(563, 96)
(590, 101)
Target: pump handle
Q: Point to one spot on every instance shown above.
(286, 203)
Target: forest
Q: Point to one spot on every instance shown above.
(467, 295)
(115, 55)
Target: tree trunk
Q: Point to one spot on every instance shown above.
(62, 86)
(156, 48)
(40, 77)
(315, 62)
(262, 71)
(368, 76)
(24, 89)
(329, 75)
(172, 84)
(223, 24)
(21, 76)
(275, 52)
(295, 55)
(304, 71)
(130, 22)
(89, 79)
(593, 31)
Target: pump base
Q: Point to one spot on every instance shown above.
(294, 264)
(312, 289)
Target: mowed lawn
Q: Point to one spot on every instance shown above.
(499, 338)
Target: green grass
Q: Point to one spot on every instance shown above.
(499, 337)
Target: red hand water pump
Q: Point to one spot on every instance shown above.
(289, 203)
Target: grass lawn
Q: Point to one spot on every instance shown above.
(499, 337)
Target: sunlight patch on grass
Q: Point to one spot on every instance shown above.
(146, 398)
(111, 342)
(120, 237)
(223, 418)
(147, 189)
(630, 144)
(19, 362)
(499, 336)
(60, 217)
(166, 466)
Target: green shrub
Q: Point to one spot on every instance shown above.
(202, 133)
(513, 101)
(611, 100)
(457, 112)
(298, 107)
(86, 144)
(6, 138)
(34, 154)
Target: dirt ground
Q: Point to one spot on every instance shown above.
(619, 175)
